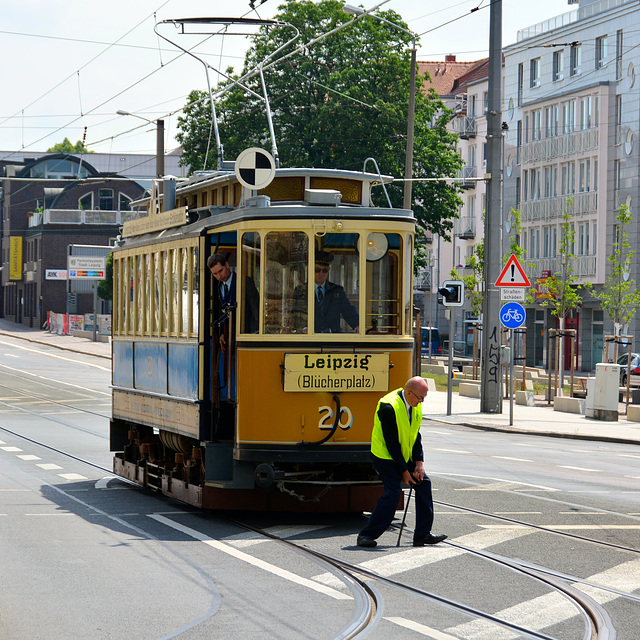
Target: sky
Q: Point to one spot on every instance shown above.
(69, 66)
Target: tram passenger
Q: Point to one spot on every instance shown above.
(225, 294)
(331, 302)
(396, 446)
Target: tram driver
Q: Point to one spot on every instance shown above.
(331, 302)
(225, 294)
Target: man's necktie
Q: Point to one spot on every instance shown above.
(225, 290)
(319, 293)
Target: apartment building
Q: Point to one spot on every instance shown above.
(571, 105)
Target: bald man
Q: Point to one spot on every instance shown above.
(396, 446)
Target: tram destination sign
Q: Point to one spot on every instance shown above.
(336, 372)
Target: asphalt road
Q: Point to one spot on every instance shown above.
(85, 555)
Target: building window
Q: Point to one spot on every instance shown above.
(534, 73)
(105, 199)
(569, 116)
(601, 52)
(124, 202)
(520, 82)
(558, 65)
(86, 202)
(575, 62)
(586, 119)
(619, 54)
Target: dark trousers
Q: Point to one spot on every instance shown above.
(385, 510)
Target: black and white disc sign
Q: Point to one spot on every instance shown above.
(255, 168)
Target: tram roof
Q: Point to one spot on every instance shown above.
(205, 179)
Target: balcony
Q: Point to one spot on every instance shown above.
(583, 266)
(422, 282)
(576, 204)
(559, 146)
(465, 228)
(465, 126)
(80, 216)
(466, 177)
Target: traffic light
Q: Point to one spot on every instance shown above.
(452, 292)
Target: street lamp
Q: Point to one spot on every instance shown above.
(408, 162)
(159, 139)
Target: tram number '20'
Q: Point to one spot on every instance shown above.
(326, 418)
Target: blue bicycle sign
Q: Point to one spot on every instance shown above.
(512, 315)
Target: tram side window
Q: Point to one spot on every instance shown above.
(285, 272)
(408, 287)
(384, 283)
(250, 310)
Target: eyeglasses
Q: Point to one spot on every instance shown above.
(322, 269)
(417, 397)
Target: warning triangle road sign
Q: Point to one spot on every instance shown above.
(512, 275)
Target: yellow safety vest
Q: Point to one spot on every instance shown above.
(407, 432)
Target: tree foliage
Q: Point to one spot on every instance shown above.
(562, 285)
(335, 103)
(66, 146)
(105, 287)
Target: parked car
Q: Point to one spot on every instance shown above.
(430, 341)
(631, 369)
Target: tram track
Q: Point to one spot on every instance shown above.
(598, 625)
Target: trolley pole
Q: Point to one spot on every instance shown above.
(491, 400)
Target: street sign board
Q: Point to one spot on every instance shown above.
(512, 275)
(512, 315)
(512, 294)
(55, 274)
(86, 267)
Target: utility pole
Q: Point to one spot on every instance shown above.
(491, 398)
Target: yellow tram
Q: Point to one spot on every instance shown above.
(255, 403)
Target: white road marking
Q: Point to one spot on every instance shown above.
(418, 557)
(509, 458)
(564, 466)
(49, 466)
(249, 538)
(11, 449)
(551, 609)
(2, 442)
(628, 455)
(52, 355)
(49, 514)
(422, 629)
(11, 355)
(29, 457)
(256, 562)
(567, 527)
(449, 450)
(72, 476)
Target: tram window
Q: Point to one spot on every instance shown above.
(175, 293)
(384, 285)
(166, 288)
(185, 302)
(336, 284)
(156, 326)
(408, 287)
(286, 270)
(146, 292)
(250, 310)
(195, 290)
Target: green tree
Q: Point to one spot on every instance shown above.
(334, 104)
(66, 146)
(105, 287)
(562, 285)
(619, 296)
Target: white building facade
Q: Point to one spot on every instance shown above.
(571, 103)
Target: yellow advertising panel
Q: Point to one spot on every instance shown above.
(336, 372)
(15, 258)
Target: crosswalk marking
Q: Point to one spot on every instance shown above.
(545, 611)
(11, 449)
(49, 466)
(421, 628)
(566, 466)
(418, 557)
(28, 457)
(510, 458)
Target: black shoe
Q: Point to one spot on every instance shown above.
(366, 541)
(430, 539)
